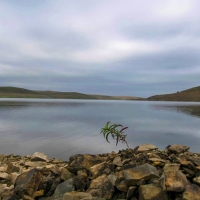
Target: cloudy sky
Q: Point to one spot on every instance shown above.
(113, 47)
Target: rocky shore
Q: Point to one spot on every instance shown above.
(143, 173)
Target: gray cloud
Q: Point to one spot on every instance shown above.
(106, 47)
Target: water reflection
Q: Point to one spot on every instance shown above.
(61, 128)
(193, 110)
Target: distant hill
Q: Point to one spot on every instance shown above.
(14, 92)
(192, 94)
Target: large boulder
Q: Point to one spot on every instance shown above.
(62, 188)
(28, 182)
(101, 187)
(175, 181)
(146, 172)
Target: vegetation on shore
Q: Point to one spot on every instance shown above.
(14, 92)
(192, 94)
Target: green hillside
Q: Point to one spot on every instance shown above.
(192, 94)
(14, 92)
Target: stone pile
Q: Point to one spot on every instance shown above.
(143, 173)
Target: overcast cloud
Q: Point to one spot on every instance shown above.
(113, 47)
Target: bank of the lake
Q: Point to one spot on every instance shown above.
(142, 173)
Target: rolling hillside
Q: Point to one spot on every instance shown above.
(14, 92)
(192, 94)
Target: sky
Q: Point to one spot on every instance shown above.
(112, 47)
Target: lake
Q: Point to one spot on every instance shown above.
(61, 128)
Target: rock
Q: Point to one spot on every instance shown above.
(66, 174)
(2, 187)
(38, 193)
(186, 163)
(4, 176)
(37, 156)
(28, 182)
(124, 175)
(98, 169)
(130, 192)
(133, 175)
(176, 181)
(76, 195)
(112, 155)
(146, 147)
(196, 160)
(101, 187)
(62, 188)
(55, 170)
(80, 161)
(34, 164)
(157, 160)
(7, 192)
(3, 169)
(192, 192)
(117, 161)
(49, 185)
(113, 179)
(80, 182)
(122, 186)
(197, 180)
(13, 177)
(151, 192)
(12, 168)
(177, 148)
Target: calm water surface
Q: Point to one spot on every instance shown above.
(61, 128)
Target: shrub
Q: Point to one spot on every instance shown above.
(114, 132)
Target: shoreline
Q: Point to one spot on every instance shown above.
(142, 173)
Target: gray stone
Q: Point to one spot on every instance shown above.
(62, 188)
(146, 172)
